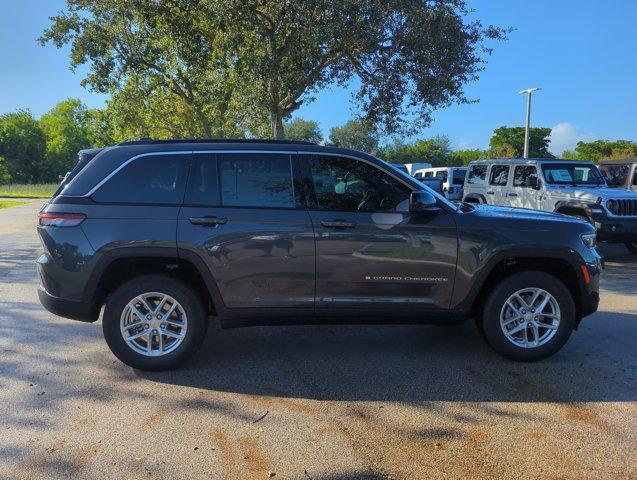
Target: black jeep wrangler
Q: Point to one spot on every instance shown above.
(166, 234)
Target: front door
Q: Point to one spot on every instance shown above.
(244, 216)
(371, 252)
(497, 191)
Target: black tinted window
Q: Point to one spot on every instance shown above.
(499, 175)
(256, 180)
(442, 174)
(522, 174)
(154, 179)
(204, 185)
(477, 174)
(348, 185)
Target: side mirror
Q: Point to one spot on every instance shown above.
(535, 183)
(421, 201)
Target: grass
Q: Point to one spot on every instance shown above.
(35, 190)
(9, 203)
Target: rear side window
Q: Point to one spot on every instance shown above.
(442, 174)
(153, 179)
(477, 174)
(635, 177)
(522, 174)
(458, 176)
(499, 175)
(256, 180)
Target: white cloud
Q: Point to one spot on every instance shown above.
(465, 144)
(565, 136)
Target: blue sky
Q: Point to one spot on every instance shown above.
(581, 52)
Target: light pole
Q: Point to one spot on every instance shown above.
(528, 91)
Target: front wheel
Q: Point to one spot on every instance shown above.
(528, 316)
(154, 322)
(632, 247)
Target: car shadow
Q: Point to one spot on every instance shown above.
(411, 364)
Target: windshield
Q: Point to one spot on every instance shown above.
(572, 174)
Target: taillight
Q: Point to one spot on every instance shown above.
(61, 219)
(450, 189)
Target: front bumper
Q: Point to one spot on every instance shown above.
(73, 309)
(616, 229)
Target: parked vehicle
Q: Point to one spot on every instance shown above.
(414, 167)
(452, 179)
(562, 186)
(164, 234)
(621, 173)
(434, 183)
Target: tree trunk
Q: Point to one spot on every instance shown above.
(276, 124)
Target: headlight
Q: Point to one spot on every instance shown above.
(589, 239)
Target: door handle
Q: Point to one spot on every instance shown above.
(208, 221)
(513, 194)
(338, 224)
(490, 193)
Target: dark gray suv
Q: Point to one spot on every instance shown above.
(165, 234)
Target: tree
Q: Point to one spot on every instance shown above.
(569, 155)
(357, 134)
(5, 177)
(605, 149)
(66, 131)
(305, 130)
(23, 146)
(508, 142)
(254, 59)
(166, 48)
(464, 157)
(434, 150)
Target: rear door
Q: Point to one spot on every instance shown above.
(497, 191)
(245, 217)
(371, 252)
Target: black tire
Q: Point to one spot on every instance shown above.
(187, 298)
(507, 287)
(632, 247)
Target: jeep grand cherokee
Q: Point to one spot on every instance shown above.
(166, 234)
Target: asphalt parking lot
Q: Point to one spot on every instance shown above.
(371, 402)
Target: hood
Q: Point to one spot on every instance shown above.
(591, 194)
(521, 217)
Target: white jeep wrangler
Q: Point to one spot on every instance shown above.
(562, 186)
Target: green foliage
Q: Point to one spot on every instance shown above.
(569, 155)
(508, 142)
(464, 157)
(245, 63)
(9, 203)
(605, 149)
(66, 128)
(5, 177)
(435, 150)
(305, 130)
(357, 134)
(23, 146)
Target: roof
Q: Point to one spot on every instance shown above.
(152, 141)
(619, 161)
(522, 161)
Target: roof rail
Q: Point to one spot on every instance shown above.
(151, 141)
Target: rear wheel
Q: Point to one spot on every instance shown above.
(632, 247)
(528, 316)
(154, 322)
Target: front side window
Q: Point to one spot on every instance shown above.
(152, 179)
(572, 174)
(348, 185)
(635, 177)
(477, 174)
(256, 180)
(499, 175)
(523, 174)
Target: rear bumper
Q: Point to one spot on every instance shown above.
(73, 309)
